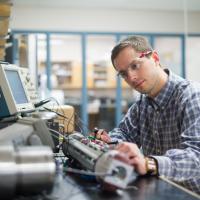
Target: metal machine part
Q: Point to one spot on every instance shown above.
(120, 171)
(25, 170)
(94, 158)
(27, 131)
(85, 154)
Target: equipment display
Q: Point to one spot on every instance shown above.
(13, 95)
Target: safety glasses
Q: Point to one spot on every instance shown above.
(134, 65)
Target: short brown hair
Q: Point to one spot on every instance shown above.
(139, 43)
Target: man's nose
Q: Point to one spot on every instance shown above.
(131, 74)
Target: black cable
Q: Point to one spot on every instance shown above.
(83, 172)
(55, 136)
(59, 134)
(40, 103)
(82, 123)
(75, 114)
(52, 98)
(12, 118)
(69, 120)
(61, 115)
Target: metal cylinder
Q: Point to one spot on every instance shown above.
(25, 170)
(35, 169)
(8, 172)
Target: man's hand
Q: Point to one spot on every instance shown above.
(103, 135)
(135, 158)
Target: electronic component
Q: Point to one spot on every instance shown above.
(29, 85)
(94, 155)
(13, 95)
(41, 103)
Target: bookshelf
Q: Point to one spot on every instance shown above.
(5, 10)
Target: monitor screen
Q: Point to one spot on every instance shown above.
(16, 86)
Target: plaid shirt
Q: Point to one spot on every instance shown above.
(168, 128)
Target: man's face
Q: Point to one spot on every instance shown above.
(142, 74)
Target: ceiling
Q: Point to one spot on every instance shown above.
(173, 5)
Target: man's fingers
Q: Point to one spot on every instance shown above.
(99, 133)
(105, 138)
(129, 149)
(103, 135)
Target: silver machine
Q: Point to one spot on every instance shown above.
(26, 158)
(25, 170)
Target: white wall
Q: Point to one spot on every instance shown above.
(193, 59)
(64, 19)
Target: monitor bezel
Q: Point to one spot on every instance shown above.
(13, 107)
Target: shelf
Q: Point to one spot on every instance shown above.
(70, 76)
(5, 10)
(4, 24)
(2, 42)
(97, 69)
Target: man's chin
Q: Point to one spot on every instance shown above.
(142, 91)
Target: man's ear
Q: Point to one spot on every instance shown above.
(155, 56)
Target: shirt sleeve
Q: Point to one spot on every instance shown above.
(128, 129)
(184, 163)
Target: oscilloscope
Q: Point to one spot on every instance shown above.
(13, 95)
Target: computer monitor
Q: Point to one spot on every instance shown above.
(13, 95)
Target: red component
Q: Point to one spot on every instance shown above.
(144, 54)
(154, 55)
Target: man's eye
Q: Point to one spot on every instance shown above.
(134, 66)
(123, 74)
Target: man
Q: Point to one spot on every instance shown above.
(164, 122)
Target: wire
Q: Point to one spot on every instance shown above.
(52, 98)
(55, 136)
(59, 134)
(69, 119)
(83, 172)
(61, 115)
(82, 123)
(12, 118)
(57, 103)
(41, 103)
